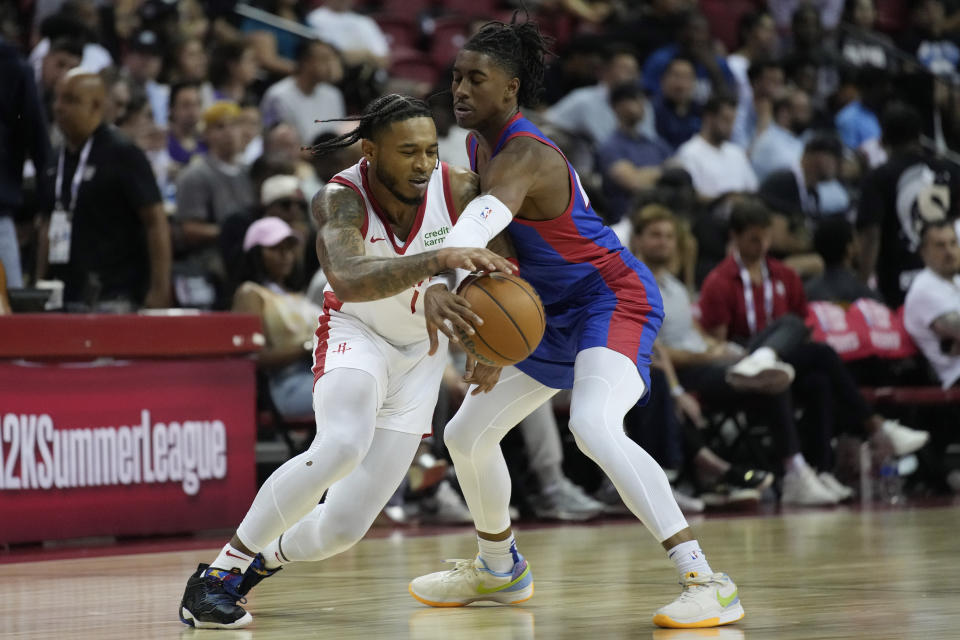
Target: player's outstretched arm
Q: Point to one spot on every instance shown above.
(356, 277)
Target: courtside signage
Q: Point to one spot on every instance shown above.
(125, 448)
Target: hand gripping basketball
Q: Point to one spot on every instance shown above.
(512, 317)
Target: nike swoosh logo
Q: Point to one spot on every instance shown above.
(233, 555)
(372, 240)
(482, 589)
(725, 601)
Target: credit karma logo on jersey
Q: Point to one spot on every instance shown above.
(431, 238)
(35, 454)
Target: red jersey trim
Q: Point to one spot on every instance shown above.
(347, 183)
(417, 222)
(330, 303)
(448, 193)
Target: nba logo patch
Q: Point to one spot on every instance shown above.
(486, 213)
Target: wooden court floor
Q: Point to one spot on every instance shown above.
(831, 574)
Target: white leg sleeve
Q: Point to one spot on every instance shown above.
(473, 438)
(354, 502)
(606, 385)
(345, 406)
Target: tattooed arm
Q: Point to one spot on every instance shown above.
(355, 277)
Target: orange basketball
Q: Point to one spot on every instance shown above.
(513, 318)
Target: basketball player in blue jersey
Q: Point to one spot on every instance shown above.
(603, 313)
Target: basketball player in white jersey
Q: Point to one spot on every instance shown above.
(380, 225)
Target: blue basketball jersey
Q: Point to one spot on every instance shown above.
(595, 292)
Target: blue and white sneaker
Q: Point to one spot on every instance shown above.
(210, 600)
(472, 581)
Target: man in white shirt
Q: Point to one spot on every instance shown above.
(587, 112)
(356, 36)
(309, 94)
(932, 306)
(717, 166)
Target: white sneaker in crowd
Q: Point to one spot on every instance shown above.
(688, 504)
(840, 490)
(761, 371)
(802, 487)
(904, 439)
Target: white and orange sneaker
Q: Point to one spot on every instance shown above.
(707, 601)
(472, 581)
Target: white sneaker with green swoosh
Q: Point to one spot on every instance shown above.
(707, 601)
(472, 581)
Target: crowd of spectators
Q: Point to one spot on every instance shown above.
(775, 163)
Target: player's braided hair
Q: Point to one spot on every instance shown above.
(378, 114)
(520, 49)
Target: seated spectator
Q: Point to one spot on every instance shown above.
(694, 42)
(276, 48)
(676, 114)
(62, 55)
(861, 44)
(143, 62)
(188, 62)
(703, 366)
(927, 38)
(233, 69)
(912, 188)
(586, 111)
(356, 36)
(862, 93)
(107, 238)
(932, 307)
(792, 196)
(271, 291)
(780, 145)
(766, 84)
(836, 245)
(183, 132)
(629, 161)
(718, 167)
(209, 189)
(138, 124)
(812, 48)
(758, 41)
(282, 144)
(309, 94)
(754, 300)
(250, 127)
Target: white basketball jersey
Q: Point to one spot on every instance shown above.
(398, 319)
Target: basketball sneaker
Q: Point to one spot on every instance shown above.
(254, 574)
(707, 601)
(210, 600)
(472, 581)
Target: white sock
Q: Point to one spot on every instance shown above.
(688, 556)
(796, 462)
(500, 555)
(273, 557)
(232, 558)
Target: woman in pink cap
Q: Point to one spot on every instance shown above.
(270, 290)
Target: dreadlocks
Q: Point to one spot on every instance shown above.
(519, 48)
(378, 114)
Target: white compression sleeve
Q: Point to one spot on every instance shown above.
(483, 218)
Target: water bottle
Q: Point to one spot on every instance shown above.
(890, 484)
